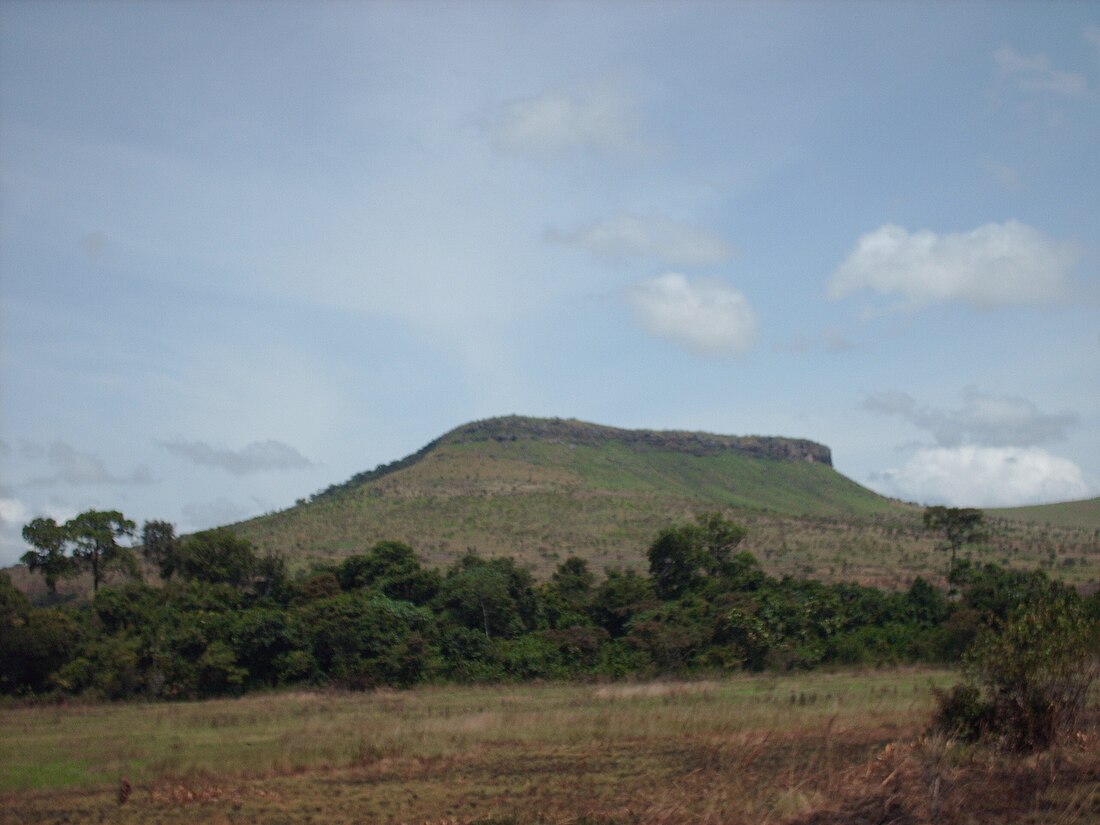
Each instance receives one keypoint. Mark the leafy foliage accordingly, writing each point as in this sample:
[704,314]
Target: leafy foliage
[217,556]
[229,621]
[1028,679]
[959,526]
[161,546]
[88,541]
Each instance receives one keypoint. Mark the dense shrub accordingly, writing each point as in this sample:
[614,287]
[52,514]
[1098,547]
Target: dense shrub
[1027,681]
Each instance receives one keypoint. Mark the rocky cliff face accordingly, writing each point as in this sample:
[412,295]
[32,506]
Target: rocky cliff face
[571,431]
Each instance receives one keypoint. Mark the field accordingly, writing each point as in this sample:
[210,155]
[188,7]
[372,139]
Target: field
[761,749]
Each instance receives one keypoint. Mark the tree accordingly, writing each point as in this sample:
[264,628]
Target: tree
[390,568]
[48,556]
[94,535]
[682,556]
[491,595]
[217,556]
[675,561]
[160,545]
[720,538]
[88,541]
[959,525]
[573,581]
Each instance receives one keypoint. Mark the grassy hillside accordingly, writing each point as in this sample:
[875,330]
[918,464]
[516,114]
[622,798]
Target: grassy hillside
[542,489]
[1082,515]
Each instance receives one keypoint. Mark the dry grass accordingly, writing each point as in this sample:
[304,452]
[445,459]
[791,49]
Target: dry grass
[759,747]
[816,749]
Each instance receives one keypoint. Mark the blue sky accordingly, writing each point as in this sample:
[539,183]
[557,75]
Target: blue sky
[250,249]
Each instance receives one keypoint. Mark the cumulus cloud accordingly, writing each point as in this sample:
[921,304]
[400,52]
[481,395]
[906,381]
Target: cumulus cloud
[78,467]
[706,316]
[623,237]
[987,420]
[975,476]
[1033,73]
[259,456]
[599,117]
[13,512]
[993,265]
[13,515]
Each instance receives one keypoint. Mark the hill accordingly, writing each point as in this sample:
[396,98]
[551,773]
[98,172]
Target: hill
[542,489]
[1081,515]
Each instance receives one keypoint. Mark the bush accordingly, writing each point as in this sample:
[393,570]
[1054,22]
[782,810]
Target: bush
[963,713]
[1028,683]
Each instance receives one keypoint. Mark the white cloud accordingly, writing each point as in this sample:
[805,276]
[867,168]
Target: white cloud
[993,265]
[624,236]
[13,515]
[988,420]
[259,456]
[975,476]
[708,317]
[13,512]
[1033,73]
[599,117]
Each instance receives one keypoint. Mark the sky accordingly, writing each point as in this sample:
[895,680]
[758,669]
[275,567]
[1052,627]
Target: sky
[250,249]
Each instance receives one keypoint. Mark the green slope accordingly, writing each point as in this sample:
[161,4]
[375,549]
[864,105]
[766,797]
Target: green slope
[1083,515]
[540,489]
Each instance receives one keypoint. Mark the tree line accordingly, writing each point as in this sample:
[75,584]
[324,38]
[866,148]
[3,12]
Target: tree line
[225,619]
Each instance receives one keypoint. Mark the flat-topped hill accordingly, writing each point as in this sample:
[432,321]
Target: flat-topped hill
[542,489]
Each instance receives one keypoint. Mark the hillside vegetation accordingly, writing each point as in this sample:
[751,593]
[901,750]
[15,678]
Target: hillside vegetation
[1081,515]
[540,490]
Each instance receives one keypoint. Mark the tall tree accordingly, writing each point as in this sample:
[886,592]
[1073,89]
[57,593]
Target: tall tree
[88,541]
[959,526]
[160,545]
[94,535]
[48,538]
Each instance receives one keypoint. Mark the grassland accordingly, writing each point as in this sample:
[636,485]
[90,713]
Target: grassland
[765,749]
[1080,515]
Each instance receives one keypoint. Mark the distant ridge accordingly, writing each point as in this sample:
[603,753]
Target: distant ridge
[570,430]
[504,429]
